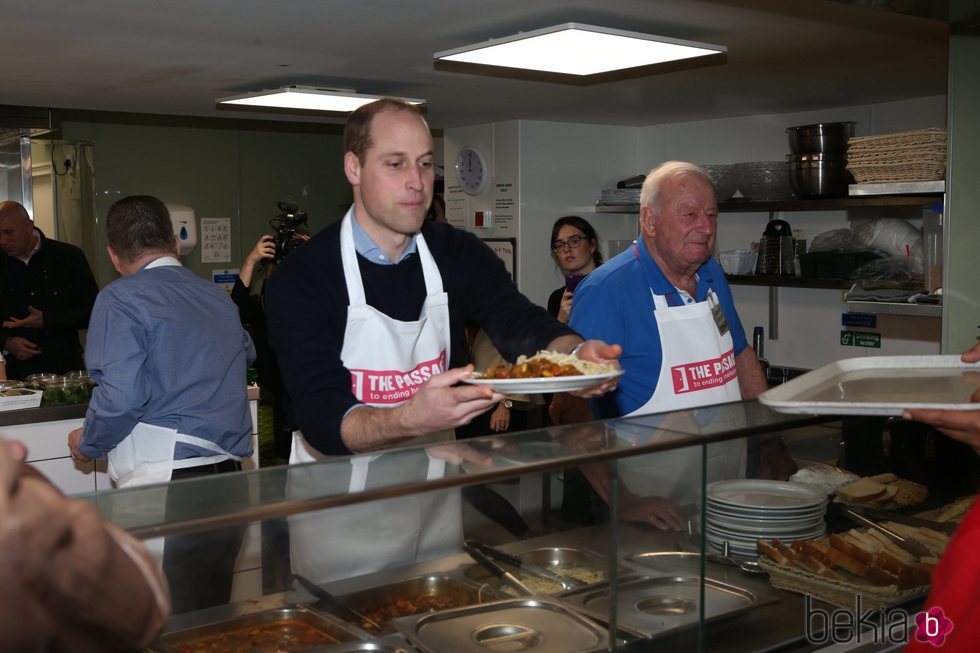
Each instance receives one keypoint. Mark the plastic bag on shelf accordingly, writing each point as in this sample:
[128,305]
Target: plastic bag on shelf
[835,240]
[893,236]
[890,268]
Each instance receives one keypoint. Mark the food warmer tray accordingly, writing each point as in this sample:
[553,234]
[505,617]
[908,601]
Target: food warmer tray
[879,385]
[389,644]
[533,624]
[651,606]
[295,619]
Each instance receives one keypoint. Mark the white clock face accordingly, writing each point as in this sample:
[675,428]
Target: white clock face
[472,171]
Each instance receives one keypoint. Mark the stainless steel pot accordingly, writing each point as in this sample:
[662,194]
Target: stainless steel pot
[825,137]
[818,175]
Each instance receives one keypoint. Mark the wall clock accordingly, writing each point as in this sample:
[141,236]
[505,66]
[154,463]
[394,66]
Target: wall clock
[472,171]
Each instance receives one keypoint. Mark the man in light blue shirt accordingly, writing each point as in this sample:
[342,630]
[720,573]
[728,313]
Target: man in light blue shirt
[169,355]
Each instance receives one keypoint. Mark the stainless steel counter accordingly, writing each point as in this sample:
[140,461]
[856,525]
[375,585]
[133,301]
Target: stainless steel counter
[779,623]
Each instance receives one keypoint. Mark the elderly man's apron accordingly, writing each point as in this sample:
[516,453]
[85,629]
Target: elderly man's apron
[698,369]
[382,354]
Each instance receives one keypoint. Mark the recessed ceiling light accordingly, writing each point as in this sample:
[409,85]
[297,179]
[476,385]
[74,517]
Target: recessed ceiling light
[308,98]
[576,49]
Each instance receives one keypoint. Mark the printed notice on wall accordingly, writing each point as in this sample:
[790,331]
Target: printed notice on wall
[506,249]
[215,240]
[505,207]
[225,278]
[457,206]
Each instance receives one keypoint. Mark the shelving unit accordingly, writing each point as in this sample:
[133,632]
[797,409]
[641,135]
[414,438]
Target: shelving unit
[912,195]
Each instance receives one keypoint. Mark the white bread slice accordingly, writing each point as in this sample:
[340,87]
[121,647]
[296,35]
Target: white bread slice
[883,478]
[862,490]
[773,553]
[889,495]
[857,538]
[851,549]
[892,548]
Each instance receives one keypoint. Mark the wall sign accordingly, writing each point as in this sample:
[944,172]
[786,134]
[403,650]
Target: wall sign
[862,320]
[860,339]
[215,240]
[506,249]
[225,278]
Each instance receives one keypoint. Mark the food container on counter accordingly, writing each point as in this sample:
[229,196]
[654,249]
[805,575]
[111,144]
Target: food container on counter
[410,597]
[40,380]
[579,567]
[526,624]
[293,628]
[14,395]
[650,606]
[66,392]
[81,375]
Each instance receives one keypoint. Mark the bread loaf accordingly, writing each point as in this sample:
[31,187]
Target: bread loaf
[910,493]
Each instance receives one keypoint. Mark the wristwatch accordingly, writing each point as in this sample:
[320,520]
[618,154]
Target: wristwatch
[507,403]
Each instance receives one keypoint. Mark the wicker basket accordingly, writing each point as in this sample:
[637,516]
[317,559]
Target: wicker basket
[907,156]
[839,593]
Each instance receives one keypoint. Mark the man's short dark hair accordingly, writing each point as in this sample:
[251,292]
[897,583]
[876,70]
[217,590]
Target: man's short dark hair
[357,131]
[138,225]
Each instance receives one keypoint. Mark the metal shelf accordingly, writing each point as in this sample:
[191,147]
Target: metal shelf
[794,204]
[896,308]
[787,281]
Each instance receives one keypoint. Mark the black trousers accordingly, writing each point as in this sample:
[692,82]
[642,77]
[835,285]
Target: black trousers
[199,566]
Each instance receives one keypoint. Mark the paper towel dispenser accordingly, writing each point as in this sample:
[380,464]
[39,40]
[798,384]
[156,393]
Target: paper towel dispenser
[185,227]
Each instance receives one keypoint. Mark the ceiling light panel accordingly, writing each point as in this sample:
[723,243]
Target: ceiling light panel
[307,98]
[576,49]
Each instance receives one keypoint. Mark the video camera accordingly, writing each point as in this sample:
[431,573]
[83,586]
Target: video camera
[286,225]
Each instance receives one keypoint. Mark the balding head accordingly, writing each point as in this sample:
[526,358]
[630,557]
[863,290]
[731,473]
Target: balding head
[17,237]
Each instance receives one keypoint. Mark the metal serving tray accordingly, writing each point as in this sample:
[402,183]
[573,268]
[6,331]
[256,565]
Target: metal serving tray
[390,644]
[879,385]
[527,624]
[395,596]
[288,618]
[552,558]
[651,606]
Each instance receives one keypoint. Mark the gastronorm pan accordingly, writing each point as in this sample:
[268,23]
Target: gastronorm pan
[291,629]
[413,596]
[574,564]
[525,624]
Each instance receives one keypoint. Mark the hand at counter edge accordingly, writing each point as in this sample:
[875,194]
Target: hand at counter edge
[75,439]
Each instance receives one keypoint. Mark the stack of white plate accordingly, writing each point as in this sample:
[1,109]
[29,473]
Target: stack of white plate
[741,511]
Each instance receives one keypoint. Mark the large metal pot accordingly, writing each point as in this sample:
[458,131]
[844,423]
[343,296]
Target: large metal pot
[826,137]
[818,175]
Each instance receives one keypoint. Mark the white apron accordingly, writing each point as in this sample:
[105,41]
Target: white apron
[388,360]
[698,369]
[146,455]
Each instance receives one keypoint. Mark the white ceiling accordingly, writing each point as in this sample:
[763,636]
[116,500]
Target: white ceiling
[178,56]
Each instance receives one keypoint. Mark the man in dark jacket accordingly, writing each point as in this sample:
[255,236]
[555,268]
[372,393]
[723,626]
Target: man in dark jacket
[46,295]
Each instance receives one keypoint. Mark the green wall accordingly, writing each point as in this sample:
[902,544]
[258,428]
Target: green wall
[228,169]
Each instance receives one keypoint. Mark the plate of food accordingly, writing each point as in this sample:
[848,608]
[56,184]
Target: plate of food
[546,371]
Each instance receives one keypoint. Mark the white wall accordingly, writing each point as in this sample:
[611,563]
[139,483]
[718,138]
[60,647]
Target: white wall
[563,167]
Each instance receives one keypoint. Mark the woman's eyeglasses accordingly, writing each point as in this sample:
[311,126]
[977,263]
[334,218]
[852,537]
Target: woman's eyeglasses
[572,242]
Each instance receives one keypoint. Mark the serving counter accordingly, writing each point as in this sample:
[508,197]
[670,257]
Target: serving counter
[630,585]
[44,431]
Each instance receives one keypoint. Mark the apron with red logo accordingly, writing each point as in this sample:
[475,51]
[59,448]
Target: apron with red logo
[697,369]
[388,360]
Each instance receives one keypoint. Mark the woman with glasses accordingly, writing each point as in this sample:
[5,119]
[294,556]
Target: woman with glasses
[575,246]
